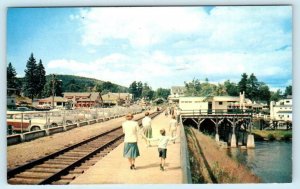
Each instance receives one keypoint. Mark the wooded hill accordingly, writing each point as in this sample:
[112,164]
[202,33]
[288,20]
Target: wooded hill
[72,83]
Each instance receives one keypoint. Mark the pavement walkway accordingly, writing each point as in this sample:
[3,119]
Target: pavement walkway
[114,168]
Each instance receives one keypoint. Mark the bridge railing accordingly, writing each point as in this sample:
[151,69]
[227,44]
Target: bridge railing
[184,156]
[196,112]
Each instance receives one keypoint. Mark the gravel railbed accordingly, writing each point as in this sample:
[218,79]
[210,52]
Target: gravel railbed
[21,153]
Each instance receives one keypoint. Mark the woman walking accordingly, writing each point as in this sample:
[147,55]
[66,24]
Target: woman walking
[131,150]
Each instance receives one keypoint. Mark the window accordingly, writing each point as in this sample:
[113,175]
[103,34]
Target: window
[220,103]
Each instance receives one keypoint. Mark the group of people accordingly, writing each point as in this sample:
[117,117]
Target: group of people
[131,130]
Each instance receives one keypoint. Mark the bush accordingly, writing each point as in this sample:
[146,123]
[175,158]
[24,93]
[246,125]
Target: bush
[287,136]
[271,137]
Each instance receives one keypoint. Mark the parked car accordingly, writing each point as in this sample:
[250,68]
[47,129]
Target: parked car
[23,109]
[24,122]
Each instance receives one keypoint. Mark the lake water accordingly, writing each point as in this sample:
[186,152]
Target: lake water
[271,161]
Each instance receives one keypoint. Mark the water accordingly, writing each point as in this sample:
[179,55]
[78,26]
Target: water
[271,161]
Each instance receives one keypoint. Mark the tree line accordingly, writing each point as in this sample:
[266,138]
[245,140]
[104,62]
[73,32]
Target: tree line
[254,90]
[144,91]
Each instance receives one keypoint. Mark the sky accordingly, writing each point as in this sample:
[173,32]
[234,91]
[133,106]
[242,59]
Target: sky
[161,46]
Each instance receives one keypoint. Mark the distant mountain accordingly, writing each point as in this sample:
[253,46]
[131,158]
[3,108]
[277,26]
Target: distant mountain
[72,83]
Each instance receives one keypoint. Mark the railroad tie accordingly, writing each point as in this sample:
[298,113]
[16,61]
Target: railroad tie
[69,177]
[61,182]
[44,170]
[77,171]
[50,166]
[24,181]
[33,175]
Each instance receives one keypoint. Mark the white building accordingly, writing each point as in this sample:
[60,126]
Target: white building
[214,104]
[192,104]
[282,110]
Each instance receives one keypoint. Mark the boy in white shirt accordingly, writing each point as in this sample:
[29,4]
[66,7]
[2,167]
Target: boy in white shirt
[162,147]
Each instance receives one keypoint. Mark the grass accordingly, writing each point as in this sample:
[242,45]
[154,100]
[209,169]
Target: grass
[273,134]
[224,169]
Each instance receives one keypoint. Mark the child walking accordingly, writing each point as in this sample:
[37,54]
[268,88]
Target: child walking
[162,147]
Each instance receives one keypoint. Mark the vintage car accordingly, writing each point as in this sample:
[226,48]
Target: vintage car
[24,122]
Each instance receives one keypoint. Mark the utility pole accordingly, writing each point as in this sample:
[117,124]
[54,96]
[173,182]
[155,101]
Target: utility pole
[53,84]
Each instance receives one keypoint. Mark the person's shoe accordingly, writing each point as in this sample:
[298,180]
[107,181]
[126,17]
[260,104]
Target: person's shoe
[131,167]
[162,168]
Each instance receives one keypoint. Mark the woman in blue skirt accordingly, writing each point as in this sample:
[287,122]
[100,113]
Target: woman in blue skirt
[131,130]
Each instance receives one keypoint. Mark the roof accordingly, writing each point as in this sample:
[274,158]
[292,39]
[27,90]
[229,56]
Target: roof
[226,98]
[90,95]
[56,99]
[116,96]
[199,98]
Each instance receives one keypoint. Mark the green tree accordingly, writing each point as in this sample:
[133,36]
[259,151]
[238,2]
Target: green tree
[73,86]
[31,78]
[11,78]
[41,78]
[53,86]
[193,88]
[139,89]
[243,84]
[275,96]
[252,91]
[264,93]
[231,88]
[288,91]
[107,87]
[147,92]
[162,93]
[133,89]
[220,90]
[207,89]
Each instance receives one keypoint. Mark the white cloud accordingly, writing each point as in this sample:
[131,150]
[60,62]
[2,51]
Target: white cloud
[237,28]
[159,68]
[140,26]
[168,45]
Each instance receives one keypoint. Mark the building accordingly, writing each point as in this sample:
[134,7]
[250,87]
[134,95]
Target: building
[176,92]
[83,99]
[282,110]
[214,104]
[57,102]
[111,99]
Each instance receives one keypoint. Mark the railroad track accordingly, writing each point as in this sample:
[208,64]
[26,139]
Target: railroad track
[63,166]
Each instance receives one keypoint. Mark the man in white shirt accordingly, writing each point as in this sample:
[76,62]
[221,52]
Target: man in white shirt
[173,126]
[147,129]
[131,130]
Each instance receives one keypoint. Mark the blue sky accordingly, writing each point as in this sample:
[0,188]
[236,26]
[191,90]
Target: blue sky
[163,46]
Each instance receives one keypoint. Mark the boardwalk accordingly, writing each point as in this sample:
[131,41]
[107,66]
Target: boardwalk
[114,169]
